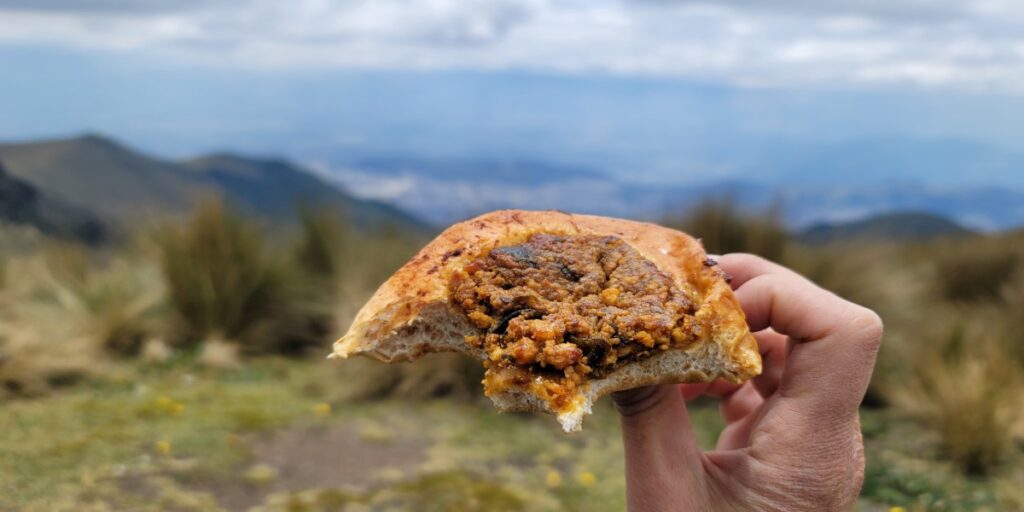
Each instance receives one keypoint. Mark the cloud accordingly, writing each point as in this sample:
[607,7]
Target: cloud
[973,46]
[898,10]
[112,7]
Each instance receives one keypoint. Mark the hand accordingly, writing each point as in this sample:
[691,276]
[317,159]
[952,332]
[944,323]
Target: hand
[792,439]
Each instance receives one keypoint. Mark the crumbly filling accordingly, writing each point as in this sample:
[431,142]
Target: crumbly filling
[570,307]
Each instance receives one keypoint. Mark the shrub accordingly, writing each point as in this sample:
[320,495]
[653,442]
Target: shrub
[967,392]
[223,281]
[723,228]
[317,256]
[319,249]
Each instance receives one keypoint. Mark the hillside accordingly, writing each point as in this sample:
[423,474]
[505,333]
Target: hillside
[275,188]
[23,206]
[905,226]
[123,187]
[102,175]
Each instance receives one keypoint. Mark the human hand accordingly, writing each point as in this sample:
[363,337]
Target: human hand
[792,439]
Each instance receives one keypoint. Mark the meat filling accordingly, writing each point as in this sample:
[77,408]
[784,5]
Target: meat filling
[567,308]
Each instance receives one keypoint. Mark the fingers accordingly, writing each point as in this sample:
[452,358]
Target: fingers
[774,348]
[740,403]
[736,435]
[653,413]
[717,389]
[737,400]
[837,340]
[692,391]
[663,460]
[743,267]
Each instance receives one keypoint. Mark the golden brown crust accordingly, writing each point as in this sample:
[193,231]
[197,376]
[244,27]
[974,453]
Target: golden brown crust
[409,314]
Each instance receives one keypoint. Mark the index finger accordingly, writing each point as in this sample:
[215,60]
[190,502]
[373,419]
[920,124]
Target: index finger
[838,341]
[743,267]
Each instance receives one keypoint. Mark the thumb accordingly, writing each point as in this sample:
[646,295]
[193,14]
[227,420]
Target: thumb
[664,465]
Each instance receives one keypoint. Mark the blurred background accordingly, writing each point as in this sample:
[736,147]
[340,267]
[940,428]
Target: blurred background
[195,198]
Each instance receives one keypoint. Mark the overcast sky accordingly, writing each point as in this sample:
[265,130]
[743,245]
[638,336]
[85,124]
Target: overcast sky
[966,45]
[661,86]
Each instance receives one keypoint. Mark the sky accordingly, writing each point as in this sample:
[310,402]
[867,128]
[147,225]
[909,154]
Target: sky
[651,87]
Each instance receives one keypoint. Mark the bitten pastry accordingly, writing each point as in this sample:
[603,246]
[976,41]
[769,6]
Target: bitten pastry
[561,309]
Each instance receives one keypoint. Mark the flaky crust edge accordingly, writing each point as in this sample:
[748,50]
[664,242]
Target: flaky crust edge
[409,315]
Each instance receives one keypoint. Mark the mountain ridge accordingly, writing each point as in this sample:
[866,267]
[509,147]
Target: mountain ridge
[277,187]
[903,226]
[124,187]
[22,204]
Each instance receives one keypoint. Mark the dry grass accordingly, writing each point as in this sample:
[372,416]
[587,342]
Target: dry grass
[974,270]
[1006,314]
[870,275]
[60,321]
[65,310]
[952,358]
[966,390]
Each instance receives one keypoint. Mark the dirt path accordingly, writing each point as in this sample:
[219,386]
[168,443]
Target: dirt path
[328,456]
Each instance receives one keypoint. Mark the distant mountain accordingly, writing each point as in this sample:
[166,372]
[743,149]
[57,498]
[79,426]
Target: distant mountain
[121,186]
[906,226]
[276,188]
[103,176]
[21,204]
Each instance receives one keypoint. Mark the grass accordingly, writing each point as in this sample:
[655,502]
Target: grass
[178,436]
[187,427]
[172,412]
[977,270]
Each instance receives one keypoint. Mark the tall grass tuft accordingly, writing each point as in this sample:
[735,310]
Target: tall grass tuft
[57,327]
[223,281]
[967,391]
[724,228]
[121,306]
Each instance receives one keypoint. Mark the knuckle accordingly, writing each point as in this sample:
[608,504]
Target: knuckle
[746,257]
[869,326]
